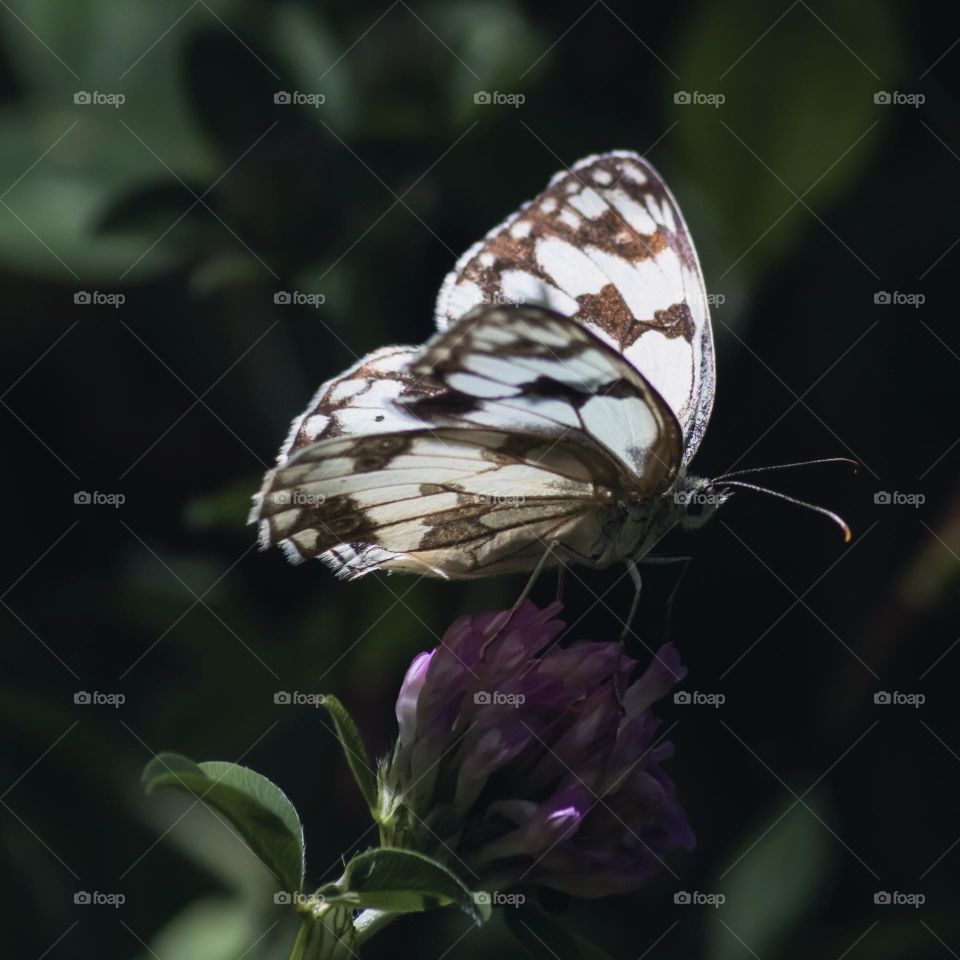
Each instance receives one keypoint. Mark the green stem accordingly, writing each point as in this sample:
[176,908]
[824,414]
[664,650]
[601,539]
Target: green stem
[330,932]
[326,933]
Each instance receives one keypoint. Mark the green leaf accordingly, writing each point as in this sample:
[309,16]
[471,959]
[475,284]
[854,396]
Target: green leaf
[257,808]
[764,914]
[544,938]
[401,881]
[211,928]
[776,137]
[353,750]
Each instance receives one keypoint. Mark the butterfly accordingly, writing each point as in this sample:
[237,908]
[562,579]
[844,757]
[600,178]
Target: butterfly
[552,417]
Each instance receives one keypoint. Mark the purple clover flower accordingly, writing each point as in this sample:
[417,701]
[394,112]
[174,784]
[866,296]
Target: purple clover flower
[517,765]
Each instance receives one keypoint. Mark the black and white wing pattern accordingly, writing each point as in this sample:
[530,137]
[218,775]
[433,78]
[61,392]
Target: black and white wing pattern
[530,369]
[361,400]
[605,244]
[532,430]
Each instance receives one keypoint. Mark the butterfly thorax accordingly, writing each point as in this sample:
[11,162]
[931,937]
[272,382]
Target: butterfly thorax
[635,529]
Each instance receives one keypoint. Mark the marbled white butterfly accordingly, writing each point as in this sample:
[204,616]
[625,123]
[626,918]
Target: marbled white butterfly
[553,416]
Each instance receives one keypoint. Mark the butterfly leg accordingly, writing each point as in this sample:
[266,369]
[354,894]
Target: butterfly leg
[500,622]
[676,587]
[637,583]
[561,570]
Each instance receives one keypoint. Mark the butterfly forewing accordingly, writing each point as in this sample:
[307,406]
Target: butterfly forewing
[530,369]
[605,244]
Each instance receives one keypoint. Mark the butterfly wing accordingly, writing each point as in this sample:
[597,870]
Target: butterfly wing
[360,401]
[530,369]
[606,245]
[449,502]
[536,429]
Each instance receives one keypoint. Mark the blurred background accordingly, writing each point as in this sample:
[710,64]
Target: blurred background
[155,199]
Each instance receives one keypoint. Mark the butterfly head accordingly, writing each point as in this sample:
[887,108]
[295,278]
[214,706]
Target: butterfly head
[696,500]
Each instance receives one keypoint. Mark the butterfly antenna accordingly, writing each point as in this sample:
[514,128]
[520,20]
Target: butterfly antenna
[787,466]
[835,517]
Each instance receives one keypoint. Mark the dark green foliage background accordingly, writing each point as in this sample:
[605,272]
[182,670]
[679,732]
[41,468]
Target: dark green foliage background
[805,199]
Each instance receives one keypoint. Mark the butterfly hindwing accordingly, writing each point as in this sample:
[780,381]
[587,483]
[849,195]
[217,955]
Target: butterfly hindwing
[606,245]
[360,400]
[454,502]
